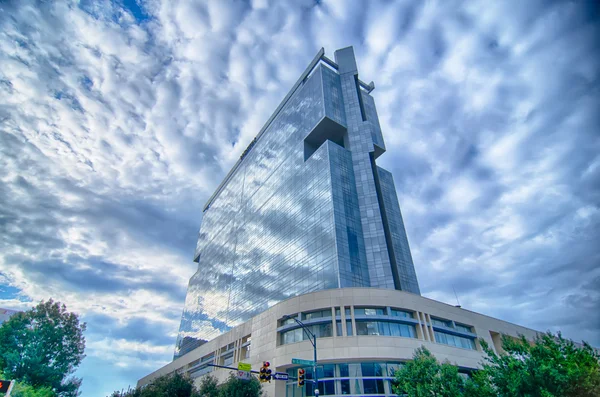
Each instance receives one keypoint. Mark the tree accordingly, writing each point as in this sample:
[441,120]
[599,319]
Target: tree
[235,387]
[175,385]
[424,376]
[209,387]
[551,366]
[43,347]
[23,390]
[130,393]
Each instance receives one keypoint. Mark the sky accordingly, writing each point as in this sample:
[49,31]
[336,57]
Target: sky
[119,119]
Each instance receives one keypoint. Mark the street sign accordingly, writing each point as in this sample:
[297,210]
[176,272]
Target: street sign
[244,367]
[302,362]
[280,376]
[244,375]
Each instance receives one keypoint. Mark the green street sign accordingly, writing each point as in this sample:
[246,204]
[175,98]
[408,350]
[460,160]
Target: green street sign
[244,367]
[302,362]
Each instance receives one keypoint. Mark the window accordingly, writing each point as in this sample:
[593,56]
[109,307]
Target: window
[369,311]
[385,328]
[454,340]
[373,386]
[349,327]
[347,310]
[401,313]
[441,323]
[344,370]
[288,321]
[338,327]
[316,314]
[405,330]
[322,330]
[327,388]
[362,328]
[298,334]
[200,371]
[392,368]
[338,312]
[228,360]
[292,336]
[371,369]
[326,371]
[345,386]
[463,328]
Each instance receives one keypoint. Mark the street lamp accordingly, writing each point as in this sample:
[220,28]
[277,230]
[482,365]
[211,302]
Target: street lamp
[313,339]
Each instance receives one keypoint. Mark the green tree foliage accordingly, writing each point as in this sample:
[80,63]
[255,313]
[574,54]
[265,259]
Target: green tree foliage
[234,387]
[23,390]
[182,386]
[43,347]
[551,366]
[175,385]
[209,387]
[130,393]
[424,376]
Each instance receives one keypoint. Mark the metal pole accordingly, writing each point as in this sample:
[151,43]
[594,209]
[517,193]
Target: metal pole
[315,366]
[10,387]
[314,343]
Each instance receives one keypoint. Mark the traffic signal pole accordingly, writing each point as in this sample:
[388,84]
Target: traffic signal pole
[313,340]
[12,384]
[315,366]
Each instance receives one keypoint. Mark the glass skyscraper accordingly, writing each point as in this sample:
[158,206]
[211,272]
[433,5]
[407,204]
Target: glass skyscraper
[305,208]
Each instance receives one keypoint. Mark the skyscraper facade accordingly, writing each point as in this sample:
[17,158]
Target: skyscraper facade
[305,208]
[303,242]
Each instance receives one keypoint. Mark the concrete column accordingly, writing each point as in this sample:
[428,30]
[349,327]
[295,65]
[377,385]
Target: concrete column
[343,315]
[353,320]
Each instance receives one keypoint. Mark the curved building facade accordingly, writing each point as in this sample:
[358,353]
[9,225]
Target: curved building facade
[363,336]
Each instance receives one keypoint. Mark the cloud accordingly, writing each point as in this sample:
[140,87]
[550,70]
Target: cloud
[118,120]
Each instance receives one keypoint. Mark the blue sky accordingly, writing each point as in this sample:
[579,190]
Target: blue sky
[118,120]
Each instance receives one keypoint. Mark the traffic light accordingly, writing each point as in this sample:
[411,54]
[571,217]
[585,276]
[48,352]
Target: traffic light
[4,385]
[301,377]
[265,372]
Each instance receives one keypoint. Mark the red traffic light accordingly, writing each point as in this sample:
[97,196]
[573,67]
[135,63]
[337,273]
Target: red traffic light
[4,385]
[265,372]
[301,377]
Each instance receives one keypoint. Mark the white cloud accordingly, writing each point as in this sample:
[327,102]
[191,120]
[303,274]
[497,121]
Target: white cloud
[115,131]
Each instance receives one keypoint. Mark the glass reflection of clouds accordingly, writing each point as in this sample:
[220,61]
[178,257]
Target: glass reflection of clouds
[269,234]
[299,213]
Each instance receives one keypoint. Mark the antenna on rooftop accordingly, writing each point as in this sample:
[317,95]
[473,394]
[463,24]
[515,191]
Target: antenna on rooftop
[456,296]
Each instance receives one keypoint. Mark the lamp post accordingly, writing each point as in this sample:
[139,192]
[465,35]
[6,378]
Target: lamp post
[313,340]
